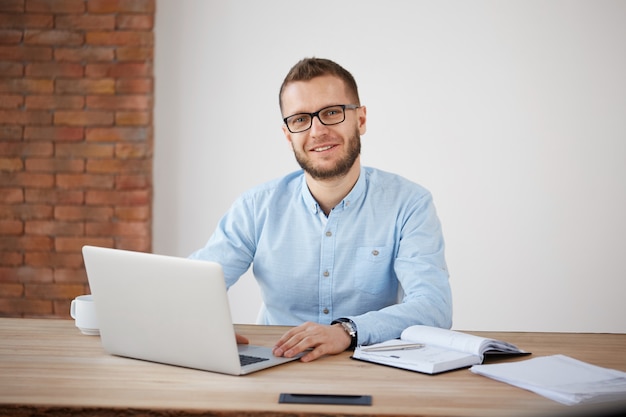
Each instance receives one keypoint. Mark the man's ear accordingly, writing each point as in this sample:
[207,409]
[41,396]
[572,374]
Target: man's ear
[287,134]
[362,115]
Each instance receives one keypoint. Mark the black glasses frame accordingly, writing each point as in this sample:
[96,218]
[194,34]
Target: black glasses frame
[344,107]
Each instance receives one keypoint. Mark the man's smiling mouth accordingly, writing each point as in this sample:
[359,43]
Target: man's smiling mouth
[322,148]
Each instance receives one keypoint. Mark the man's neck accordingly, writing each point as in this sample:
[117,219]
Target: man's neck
[329,192]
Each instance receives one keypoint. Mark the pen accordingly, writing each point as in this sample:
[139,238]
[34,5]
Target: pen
[408,346]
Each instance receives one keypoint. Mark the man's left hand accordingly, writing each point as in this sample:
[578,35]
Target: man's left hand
[320,338]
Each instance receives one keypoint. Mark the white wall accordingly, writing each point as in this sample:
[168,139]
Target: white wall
[513,113]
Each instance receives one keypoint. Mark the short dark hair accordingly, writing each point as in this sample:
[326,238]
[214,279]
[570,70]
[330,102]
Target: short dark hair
[309,68]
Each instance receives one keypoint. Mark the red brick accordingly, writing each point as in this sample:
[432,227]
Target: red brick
[12,6]
[134,85]
[75,244]
[85,150]
[30,274]
[12,195]
[55,6]
[11,132]
[25,117]
[138,244]
[54,196]
[70,275]
[120,102]
[22,307]
[115,229]
[90,54]
[117,198]
[85,181]
[134,53]
[54,228]
[54,133]
[119,70]
[123,6]
[53,259]
[133,118]
[52,291]
[116,134]
[27,243]
[119,166]
[85,86]
[61,307]
[10,36]
[126,150]
[133,213]
[85,22]
[23,21]
[26,179]
[54,86]
[55,102]
[9,259]
[82,213]
[25,53]
[132,182]
[54,69]
[26,211]
[26,85]
[119,38]
[135,21]
[53,37]
[11,164]
[11,101]
[11,290]
[11,227]
[83,118]
[55,165]
[11,69]
[25,149]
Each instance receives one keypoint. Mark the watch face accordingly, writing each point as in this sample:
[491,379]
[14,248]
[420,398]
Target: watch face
[349,328]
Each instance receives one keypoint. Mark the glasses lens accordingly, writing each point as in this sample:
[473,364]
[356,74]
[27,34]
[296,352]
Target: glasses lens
[332,115]
[299,122]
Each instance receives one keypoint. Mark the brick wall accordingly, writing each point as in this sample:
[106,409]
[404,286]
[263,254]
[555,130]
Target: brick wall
[76,100]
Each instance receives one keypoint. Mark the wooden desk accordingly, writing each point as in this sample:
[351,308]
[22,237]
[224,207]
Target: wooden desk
[49,367]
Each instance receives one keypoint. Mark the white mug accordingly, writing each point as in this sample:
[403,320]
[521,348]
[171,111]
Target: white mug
[83,311]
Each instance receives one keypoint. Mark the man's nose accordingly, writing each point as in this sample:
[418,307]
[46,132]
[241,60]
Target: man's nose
[317,127]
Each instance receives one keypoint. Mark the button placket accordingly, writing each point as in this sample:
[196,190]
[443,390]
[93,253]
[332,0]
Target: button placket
[327,259]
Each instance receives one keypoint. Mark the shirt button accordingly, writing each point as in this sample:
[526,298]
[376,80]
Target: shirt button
[325,311]
[326,273]
[375,252]
[329,233]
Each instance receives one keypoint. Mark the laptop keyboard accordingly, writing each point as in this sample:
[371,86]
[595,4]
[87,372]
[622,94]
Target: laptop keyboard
[248,360]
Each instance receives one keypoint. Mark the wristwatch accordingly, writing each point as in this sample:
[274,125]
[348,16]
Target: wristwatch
[350,327]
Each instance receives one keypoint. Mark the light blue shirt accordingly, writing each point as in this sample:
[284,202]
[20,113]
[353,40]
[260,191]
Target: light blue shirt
[382,240]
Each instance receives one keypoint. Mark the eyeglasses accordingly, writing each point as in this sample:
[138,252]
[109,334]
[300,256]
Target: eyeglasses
[331,115]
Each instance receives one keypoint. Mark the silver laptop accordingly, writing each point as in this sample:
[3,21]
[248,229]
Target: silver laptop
[168,310]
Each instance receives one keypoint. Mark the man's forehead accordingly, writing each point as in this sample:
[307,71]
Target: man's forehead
[311,95]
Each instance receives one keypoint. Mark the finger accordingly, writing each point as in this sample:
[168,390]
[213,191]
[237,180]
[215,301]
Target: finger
[242,340]
[290,339]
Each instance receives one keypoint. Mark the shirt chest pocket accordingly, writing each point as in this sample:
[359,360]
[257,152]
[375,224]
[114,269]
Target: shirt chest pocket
[372,268]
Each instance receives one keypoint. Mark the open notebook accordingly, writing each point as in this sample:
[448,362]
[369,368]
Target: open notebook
[169,310]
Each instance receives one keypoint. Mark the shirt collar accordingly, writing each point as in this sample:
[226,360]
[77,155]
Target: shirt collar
[356,194]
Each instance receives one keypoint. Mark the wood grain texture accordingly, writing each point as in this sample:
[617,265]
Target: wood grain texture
[47,367]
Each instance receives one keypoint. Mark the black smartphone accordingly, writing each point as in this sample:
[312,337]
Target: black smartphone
[337,399]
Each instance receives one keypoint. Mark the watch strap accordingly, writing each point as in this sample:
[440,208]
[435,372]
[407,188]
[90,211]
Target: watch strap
[350,328]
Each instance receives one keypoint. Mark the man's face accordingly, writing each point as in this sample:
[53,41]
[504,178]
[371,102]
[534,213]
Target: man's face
[324,152]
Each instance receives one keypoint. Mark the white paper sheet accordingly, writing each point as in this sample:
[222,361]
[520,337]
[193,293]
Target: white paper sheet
[560,378]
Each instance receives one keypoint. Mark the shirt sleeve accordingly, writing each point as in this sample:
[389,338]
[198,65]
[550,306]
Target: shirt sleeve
[232,245]
[421,270]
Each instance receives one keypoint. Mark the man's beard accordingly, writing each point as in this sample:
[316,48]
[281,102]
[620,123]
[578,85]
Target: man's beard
[340,169]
